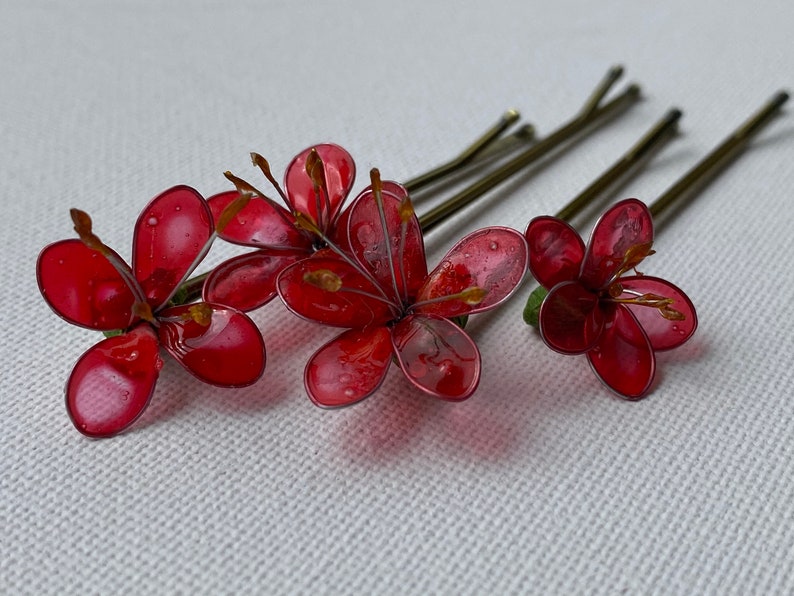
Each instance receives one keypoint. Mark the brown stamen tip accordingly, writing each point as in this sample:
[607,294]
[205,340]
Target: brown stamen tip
[142,310]
[672,314]
[315,168]
[83,227]
[377,184]
[473,295]
[635,254]
[200,313]
[406,209]
[325,279]
[231,210]
[261,163]
[241,185]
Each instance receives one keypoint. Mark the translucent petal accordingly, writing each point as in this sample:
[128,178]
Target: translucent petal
[82,286]
[248,281]
[492,259]
[555,251]
[340,172]
[170,233]
[112,383]
[570,319]
[345,307]
[664,334]
[229,351]
[367,241]
[625,225]
[349,368]
[259,223]
[623,359]
[437,356]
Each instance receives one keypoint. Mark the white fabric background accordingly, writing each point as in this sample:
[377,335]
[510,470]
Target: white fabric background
[542,482]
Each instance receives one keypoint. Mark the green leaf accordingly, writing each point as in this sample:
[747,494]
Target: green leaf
[461,321]
[532,307]
[113,333]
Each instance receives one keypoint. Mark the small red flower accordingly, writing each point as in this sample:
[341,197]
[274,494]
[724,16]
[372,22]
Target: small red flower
[379,288]
[619,322]
[89,285]
[316,183]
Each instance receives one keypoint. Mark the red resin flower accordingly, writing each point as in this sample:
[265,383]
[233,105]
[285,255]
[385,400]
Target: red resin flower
[89,285]
[379,288]
[316,184]
[619,322]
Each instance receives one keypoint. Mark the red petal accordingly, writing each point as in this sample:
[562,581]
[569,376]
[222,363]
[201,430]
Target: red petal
[349,368]
[367,241]
[623,358]
[570,319]
[228,352]
[260,223]
[82,286]
[437,356]
[555,251]
[340,172]
[625,225]
[493,259]
[664,334]
[342,308]
[112,383]
[249,281]
[170,233]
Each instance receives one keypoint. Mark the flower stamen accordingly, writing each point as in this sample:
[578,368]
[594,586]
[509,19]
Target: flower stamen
[377,193]
[83,226]
[471,296]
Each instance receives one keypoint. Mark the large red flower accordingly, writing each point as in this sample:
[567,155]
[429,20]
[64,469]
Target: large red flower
[593,308]
[89,285]
[316,184]
[379,288]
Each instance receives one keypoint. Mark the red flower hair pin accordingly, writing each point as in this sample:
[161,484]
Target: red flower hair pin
[379,289]
[318,180]
[588,305]
[88,284]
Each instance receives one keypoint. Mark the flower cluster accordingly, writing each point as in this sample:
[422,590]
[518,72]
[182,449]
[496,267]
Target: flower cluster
[360,268]
[90,285]
[593,308]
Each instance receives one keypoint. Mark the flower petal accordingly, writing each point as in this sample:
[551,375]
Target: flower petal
[170,233]
[112,383]
[625,225]
[665,334]
[340,172]
[82,286]
[437,356]
[248,281]
[570,318]
[623,359]
[493,259]
[555,251]
[367,241]
[344,306]
[349,368]
[227,351]
[260,223]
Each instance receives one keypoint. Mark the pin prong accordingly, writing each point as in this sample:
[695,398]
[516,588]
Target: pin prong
[661,131]
[470,153]
[581,122]
[721,155]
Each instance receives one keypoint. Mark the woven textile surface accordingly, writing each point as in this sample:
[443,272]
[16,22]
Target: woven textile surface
[543,482]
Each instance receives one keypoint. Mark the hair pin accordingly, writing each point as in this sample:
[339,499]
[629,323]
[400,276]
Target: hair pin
[588,305]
